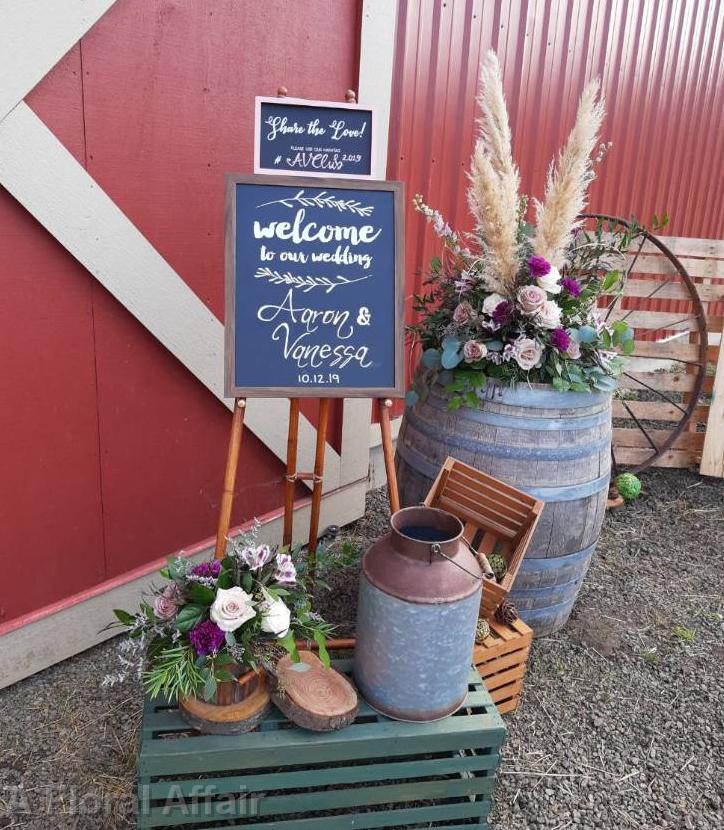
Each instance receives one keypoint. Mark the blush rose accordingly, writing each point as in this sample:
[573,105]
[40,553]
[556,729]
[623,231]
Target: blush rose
[474,350]
[527,353]
[531,299]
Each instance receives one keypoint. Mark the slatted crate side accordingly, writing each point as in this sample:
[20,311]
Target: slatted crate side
[376,765]
[473,814]
[497,518]
[501,660]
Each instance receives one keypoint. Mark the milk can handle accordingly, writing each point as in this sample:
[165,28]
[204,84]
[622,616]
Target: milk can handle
[435,548]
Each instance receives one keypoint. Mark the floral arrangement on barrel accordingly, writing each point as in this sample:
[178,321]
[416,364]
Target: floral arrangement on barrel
[523,304]
[214,617]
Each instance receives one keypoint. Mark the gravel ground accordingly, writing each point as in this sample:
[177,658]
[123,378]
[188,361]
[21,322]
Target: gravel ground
[621,724]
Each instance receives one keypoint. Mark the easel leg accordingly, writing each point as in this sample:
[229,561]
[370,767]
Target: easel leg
[232,462]
[318,481]
[291,470]
[388,453]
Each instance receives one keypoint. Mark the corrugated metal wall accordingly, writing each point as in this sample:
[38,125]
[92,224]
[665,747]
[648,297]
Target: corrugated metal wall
[661,65]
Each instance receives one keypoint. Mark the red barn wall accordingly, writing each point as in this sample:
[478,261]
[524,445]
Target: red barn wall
[113,453]
[662,70]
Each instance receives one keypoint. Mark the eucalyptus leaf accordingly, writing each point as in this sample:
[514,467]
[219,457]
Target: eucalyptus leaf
[451,342]
[411,398]
[209,687]
[450,358]
[431,359]
[587,334]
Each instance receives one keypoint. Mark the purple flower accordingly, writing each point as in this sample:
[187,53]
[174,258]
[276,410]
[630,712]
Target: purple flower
[560,339]
[503,312]
[206,638]
[208,570]
[573,287]
[538,266]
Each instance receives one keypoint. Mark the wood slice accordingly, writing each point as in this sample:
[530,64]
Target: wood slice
[313,696]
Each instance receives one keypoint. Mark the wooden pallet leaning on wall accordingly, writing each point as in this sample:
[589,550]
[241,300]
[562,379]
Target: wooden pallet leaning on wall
[663,329]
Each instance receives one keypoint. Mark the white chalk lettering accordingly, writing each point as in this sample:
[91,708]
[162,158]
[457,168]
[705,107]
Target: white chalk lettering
[300,231]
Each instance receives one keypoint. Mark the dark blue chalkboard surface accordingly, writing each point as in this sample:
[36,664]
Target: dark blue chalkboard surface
[313,138]
[313,287]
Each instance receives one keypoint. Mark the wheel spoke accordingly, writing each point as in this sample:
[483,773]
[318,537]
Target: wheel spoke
[639,425]
[657,391]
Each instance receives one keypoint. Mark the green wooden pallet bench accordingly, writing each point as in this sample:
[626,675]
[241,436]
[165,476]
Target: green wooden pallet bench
[375,773]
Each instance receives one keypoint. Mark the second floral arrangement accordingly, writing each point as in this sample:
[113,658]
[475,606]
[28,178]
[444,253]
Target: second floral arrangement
[528,302]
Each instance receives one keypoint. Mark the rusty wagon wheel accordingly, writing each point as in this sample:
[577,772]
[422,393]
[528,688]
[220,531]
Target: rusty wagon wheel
[658,401]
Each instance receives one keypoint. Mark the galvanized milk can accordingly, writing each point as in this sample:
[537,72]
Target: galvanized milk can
[418,607]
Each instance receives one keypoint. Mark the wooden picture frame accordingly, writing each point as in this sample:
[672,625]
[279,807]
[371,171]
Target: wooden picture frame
[231,389]
[260,100]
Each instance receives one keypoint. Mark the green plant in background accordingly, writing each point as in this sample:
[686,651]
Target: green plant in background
[628,486]
[650,656]
[686,635]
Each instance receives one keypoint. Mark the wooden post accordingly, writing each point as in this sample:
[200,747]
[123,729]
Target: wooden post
[318,481]
[291,476]
[388,453]
[232,462]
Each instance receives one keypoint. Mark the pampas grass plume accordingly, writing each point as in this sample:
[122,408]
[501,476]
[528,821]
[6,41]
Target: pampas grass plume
[568,180]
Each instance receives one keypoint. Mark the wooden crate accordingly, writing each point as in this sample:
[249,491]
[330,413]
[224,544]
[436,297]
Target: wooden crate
[498,518]
[375,773]
[501,660]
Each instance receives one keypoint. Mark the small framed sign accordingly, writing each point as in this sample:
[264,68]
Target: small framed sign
[313,138]
[314,287]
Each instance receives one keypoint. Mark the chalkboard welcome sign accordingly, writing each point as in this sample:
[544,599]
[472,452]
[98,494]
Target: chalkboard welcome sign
[313,138]
[313,287]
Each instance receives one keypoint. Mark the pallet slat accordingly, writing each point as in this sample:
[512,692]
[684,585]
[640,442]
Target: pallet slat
[656,411]
[368,775]
[663,381]
[625,437]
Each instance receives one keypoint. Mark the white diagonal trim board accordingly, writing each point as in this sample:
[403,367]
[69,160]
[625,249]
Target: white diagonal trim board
[47,180]
[34,36]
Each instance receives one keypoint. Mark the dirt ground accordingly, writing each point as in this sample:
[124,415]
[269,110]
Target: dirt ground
[621,723]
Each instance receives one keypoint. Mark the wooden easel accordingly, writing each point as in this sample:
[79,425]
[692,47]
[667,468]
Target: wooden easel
[292,476]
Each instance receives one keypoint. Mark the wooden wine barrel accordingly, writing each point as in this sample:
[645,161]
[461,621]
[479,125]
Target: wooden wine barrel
[555,446]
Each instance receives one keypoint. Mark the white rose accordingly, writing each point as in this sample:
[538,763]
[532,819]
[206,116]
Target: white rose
[550,281]
[549,316]
[491,302]
[275,616]
[232,608]
[527,353]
